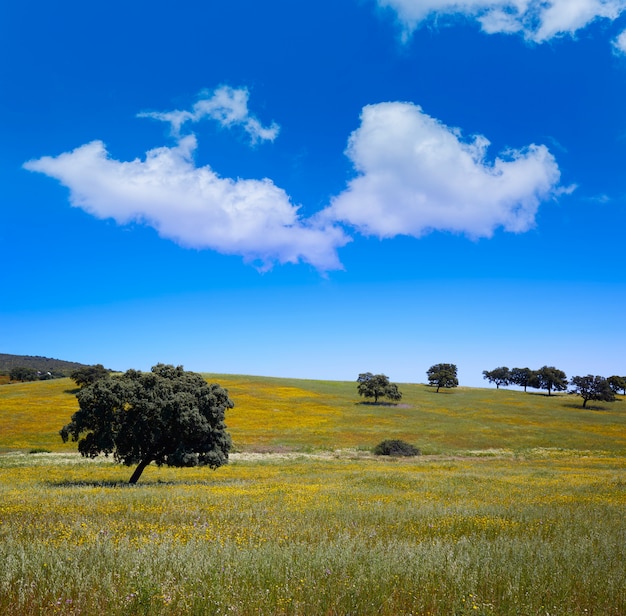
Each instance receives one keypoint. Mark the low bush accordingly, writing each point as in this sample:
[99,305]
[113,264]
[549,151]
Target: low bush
[395,447]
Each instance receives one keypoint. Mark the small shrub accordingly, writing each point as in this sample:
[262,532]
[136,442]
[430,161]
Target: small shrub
[395,447]
[39,450]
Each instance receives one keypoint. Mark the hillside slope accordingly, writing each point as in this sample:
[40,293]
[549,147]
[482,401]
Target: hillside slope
[273,414]
[42,364]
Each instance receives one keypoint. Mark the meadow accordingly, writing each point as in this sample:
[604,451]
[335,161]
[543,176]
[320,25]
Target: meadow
[516,508]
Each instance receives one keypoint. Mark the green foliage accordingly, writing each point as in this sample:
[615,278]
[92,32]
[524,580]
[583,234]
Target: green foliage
[377,386]
[167,416]
[395,447]
[617,384]
[442,375]
[592,388]
[23,374]
[88,375]
[499,376]
[551,378]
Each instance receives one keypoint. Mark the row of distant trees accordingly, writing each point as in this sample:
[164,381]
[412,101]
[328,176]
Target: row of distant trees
[549,378]
[588,387]
[26,374]
[84,375]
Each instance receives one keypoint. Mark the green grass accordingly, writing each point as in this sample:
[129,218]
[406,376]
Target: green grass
[516,510]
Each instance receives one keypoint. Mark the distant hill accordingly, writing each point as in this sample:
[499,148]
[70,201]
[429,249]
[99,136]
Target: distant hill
[41,364]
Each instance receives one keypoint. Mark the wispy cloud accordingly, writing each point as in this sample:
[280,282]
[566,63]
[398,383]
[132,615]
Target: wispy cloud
[416,175]
[619,44]
[193,206]
[536,20]
[226,105]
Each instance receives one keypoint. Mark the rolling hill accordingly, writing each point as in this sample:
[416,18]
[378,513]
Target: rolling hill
[274,414]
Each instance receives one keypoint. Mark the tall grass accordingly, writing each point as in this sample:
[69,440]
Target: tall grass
[315,535]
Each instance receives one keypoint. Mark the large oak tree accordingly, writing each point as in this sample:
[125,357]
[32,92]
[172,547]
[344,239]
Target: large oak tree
[166,416]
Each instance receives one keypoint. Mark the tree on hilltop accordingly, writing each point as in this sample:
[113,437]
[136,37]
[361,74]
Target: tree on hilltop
[592,388]
[377,386]
[524,377]
[499,376]
[442,375]
[166,416]
[551,378]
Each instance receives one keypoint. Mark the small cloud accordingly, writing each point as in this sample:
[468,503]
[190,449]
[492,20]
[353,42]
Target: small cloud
[619,44]
[417,175]
[537,21]
[226,105]
[600,199]
[192,205]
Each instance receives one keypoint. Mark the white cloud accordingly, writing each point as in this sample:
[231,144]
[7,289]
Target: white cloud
[416,175]
[193,205]
[619,44]
[226,105]
[537,20]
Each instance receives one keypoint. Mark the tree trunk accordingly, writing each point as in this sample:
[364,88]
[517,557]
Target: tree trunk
[140,468]
[584,402]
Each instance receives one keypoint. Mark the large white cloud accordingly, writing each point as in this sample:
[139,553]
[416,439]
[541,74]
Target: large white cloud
[416,175]
[193,205]
[536,20]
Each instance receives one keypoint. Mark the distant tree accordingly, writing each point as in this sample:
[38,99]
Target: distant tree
[88,375]
[377,386]
[592,388]
[167,416]
[524,377]
[550,378]
[442,375]
[23,373]
[499,376]
[617,384]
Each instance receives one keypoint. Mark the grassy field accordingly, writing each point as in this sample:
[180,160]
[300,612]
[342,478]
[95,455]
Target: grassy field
[299,415]
[516,508]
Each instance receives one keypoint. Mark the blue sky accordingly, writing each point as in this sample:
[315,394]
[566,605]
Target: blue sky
[315,189]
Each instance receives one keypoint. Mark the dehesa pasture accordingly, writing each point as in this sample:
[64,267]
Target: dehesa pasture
[515,507]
